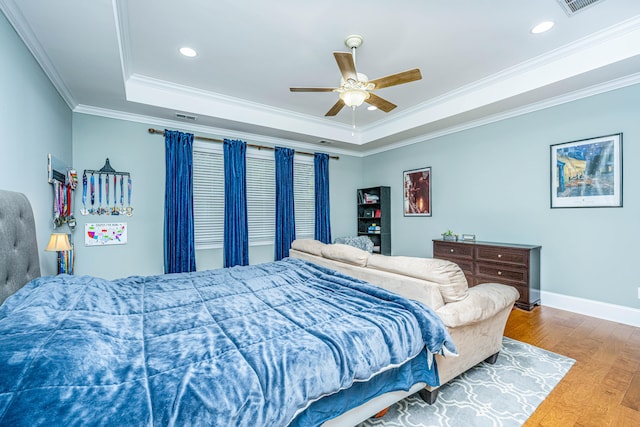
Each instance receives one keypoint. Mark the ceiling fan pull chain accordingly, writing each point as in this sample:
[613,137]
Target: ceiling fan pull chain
[353,54]
[353,120]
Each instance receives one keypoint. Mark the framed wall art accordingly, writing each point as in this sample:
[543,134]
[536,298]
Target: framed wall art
[105,234]
[587,173]
[417,192]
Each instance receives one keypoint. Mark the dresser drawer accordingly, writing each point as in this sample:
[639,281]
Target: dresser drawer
[466,266]
[502,255]
[446,250]
[500,273]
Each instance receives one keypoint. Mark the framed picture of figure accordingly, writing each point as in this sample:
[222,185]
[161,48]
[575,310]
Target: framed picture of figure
[417,192]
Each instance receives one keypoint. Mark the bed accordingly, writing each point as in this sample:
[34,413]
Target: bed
[275,344]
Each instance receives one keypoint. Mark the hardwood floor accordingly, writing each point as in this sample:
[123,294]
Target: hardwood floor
[603,387]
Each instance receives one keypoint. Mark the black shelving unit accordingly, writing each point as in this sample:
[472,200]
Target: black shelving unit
[374,217]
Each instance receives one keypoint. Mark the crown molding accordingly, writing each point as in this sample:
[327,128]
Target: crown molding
[222,133]
[547,103]
[160,93]
[611,44]
[23,29]
[123,36]
[209,130]
[600,49]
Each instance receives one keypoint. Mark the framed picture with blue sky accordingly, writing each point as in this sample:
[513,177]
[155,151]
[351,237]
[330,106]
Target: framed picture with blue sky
[587,173]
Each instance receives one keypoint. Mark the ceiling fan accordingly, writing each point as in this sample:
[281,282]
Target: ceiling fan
[355,88]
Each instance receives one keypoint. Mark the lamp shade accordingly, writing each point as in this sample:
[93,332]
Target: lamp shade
[58,242]
[354,97]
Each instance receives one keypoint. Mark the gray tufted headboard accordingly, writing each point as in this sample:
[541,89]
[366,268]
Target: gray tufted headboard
[19,261]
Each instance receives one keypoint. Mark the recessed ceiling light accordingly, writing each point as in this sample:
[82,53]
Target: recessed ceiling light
[187,51]
[372,108]
[542,27]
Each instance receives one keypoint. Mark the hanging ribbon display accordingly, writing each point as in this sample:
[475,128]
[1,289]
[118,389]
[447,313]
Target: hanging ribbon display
[122,194]
[109,188]
[93,194]
[129,185]
[63,199]
[84,210]
[107,210]
[100,211]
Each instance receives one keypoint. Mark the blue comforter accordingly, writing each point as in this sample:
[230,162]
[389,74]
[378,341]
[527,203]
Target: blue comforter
[245,346]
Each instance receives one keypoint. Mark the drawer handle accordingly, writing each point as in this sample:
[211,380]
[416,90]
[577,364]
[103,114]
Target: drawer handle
[499,273]
[451,250]
[499,255]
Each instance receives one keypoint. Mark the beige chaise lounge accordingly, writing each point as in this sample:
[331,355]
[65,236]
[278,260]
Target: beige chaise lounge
[475,316]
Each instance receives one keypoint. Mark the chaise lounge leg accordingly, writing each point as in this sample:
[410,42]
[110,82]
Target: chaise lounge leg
[429,396]
[492,359]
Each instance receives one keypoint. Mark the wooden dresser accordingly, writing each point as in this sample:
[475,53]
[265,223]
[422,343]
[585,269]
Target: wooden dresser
[511,264]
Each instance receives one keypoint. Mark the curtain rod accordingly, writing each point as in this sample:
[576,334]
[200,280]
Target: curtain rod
[259,147]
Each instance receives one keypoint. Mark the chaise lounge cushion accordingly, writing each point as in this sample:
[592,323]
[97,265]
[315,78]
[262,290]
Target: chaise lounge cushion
[309,246]
[482,303]
[449,277]
[345,253]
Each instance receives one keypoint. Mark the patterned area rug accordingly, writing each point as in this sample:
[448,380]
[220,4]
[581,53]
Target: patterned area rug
[504,394]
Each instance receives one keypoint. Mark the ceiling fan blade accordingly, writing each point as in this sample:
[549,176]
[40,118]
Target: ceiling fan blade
[381,103]
[336,108]
[312,89]
[397,79]
[346,65]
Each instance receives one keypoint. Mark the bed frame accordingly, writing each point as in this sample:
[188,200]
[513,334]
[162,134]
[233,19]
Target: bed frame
[19,261]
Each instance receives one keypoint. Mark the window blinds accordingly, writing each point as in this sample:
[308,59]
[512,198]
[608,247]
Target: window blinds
[208,196]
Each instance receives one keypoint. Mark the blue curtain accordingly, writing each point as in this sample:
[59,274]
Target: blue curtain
[236,228]
[285,211]
[323,220]
[179,246]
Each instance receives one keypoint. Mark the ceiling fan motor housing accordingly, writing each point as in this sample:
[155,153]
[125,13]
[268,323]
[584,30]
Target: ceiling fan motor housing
[353,41]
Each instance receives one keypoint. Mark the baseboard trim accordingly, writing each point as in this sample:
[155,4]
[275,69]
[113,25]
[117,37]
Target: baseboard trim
[601,310]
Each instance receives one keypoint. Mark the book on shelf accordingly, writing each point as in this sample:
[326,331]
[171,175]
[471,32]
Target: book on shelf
[371,198]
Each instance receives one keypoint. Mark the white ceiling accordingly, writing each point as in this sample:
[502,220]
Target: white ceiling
[479,62]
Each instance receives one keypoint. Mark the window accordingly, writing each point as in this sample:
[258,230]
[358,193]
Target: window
[208,196]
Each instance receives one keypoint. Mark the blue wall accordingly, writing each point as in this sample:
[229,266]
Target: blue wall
[35,121]
[493,181]
[131,148]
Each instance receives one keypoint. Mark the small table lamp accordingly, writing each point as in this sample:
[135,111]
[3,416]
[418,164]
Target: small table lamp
[59,242]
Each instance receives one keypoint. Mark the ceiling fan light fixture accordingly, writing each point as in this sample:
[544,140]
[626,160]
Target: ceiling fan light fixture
[354,97]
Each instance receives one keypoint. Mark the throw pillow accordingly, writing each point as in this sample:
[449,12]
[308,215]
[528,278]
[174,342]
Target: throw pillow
[360,242]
